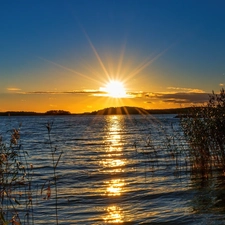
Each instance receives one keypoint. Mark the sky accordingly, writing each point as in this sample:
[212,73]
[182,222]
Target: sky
[62,54]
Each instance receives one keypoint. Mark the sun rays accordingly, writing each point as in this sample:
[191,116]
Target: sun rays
[108,75]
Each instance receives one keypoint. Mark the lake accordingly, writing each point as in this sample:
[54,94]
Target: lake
[115,169]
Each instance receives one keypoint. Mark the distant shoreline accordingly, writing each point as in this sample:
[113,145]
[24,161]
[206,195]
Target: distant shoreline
[126,110]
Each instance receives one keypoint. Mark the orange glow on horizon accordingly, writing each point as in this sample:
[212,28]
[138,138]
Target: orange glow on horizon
[111,82]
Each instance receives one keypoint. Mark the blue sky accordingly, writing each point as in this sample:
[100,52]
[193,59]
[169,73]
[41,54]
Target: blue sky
[61,45]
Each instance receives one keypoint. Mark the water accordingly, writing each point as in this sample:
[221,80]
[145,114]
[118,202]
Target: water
[116,169]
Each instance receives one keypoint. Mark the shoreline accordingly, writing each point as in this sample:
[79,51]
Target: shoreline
[107,111]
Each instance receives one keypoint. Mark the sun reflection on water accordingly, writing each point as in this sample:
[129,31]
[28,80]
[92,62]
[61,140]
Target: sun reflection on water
[115,215]
[115,187]
[113,164]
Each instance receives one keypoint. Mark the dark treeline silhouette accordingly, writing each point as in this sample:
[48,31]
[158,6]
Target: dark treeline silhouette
[57,112]
[125,110]
[19,113]
[24,113]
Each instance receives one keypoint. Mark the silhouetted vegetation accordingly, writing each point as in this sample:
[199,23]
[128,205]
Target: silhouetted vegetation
[15,181]
[124,110]
[24,113]
[20,113]
[204,129]
[127,110]
[57,112]
[16,187]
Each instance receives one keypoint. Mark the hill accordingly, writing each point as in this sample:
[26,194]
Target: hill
[127,110]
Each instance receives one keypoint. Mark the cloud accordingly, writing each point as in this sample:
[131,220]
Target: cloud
[53,106]
[221,85]
[89,92]
[13,89]
[65,92]
[152,95]
[182,98]
[179,95]
[135,94]
[188,90]
[174,100]
[176,95]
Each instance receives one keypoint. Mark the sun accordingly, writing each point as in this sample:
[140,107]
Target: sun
[115,89]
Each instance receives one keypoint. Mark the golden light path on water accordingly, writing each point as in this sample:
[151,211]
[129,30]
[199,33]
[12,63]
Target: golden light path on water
[113,164]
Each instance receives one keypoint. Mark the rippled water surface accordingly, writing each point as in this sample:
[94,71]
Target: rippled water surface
[116,169]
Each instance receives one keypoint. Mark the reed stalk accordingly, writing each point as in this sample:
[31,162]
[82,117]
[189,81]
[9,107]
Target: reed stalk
[55,160]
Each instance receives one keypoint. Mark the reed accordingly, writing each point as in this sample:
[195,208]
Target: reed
[204,130]
[15,181]
[16,175]
[162,146]
[56,156]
